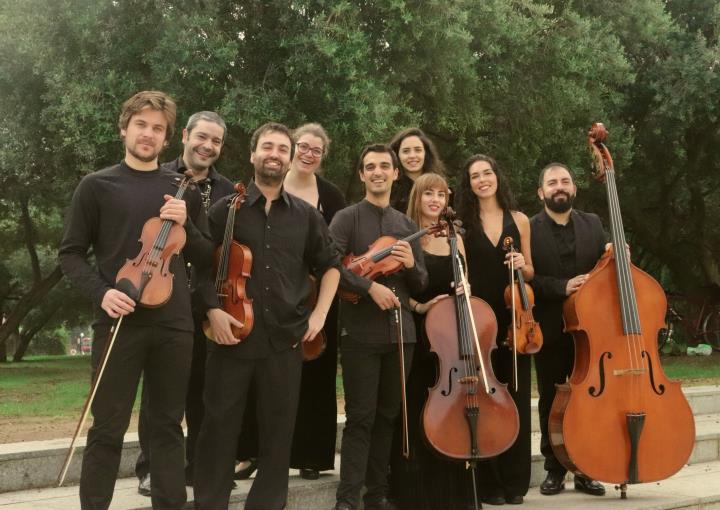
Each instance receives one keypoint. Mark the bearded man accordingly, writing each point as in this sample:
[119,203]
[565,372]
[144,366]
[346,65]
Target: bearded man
[566,245]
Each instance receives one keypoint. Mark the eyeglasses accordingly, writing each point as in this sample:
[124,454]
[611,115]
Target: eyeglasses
[304,148]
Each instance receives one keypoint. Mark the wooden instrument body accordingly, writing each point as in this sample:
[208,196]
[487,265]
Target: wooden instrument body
[444,414]
[149,272]
[527,330]
[588,422]
[313,348]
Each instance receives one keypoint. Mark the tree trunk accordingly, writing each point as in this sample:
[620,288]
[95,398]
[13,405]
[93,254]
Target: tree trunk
[28,302]
[29,333]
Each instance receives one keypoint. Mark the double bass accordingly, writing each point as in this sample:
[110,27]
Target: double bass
[618,419]
[469,415]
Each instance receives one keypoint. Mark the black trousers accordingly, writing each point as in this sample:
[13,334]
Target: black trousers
[508,474]
[316,424]
[228,380]
[163,355]
[371,378]
[553,365]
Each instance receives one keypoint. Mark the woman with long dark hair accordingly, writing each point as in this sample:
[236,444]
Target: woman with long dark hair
[489,215]
[417,155]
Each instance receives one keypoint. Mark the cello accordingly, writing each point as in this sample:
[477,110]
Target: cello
[469,415]
[614,417]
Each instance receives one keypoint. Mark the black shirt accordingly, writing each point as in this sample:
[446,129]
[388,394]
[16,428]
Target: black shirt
[565,243]
[354,229]
[108,211]
[287,245]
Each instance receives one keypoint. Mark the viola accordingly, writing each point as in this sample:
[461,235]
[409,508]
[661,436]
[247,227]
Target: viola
[147,278]
[469,415]
[611,421]
[524,335]
[312,349]
[233,264]
[375,262]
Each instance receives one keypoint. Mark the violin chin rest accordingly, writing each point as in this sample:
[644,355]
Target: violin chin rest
[126,286]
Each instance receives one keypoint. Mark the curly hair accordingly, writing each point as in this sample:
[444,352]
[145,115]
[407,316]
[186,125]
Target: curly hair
[468,202]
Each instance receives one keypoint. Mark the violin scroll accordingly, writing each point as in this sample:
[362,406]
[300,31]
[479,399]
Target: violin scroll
[602,160]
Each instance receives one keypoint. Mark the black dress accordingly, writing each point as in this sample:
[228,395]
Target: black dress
[426,481]
[508,474]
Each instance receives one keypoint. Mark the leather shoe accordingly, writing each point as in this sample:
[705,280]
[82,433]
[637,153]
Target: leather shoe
[554,483]
[144,485]
[309,474]
[343,506]
[493,499]
[514,500]
[589,486]
[244,473]
[383,504]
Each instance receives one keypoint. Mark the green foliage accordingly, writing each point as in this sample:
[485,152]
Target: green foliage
[521,80]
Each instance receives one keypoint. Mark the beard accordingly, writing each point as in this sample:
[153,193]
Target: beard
[145,158]
[199,164]
[270,176]
[560,206]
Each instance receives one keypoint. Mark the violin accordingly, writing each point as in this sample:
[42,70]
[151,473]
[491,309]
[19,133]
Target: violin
[618,419]
[312,349]
[147,279]
[469,415]
[524,335]
[233,264]
[375,262]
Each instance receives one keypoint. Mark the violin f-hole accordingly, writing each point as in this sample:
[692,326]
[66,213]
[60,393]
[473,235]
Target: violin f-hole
[447,392]
[601,372]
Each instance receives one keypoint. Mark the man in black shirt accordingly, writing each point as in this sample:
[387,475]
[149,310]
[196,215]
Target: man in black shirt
[369,353]
[202,139]
[566,245]
[107,214]
[288,239]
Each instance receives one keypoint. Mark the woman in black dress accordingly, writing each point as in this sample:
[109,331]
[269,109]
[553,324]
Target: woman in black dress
[418,156]
[426,481]
[488,213]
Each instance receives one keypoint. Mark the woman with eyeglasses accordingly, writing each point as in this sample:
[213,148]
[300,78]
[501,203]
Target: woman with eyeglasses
[417,155]
[313,447]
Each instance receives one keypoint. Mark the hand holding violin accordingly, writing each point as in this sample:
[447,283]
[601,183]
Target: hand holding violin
[174,209]
[220,322]
[402,252]
[517,258]
[316,321]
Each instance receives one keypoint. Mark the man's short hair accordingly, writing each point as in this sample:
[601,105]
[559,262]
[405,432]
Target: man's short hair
[554,165]
[155,100]
[213,117]
[274,127]
[381,148]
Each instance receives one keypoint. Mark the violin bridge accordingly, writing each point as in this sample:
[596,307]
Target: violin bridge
[469,380]
[630,371]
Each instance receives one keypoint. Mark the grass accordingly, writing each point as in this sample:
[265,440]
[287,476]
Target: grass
[45,386]
[57,386]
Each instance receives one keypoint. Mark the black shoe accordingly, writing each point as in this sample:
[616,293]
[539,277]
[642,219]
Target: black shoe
[244,474]
[554,483]
[493,500]
[144,485]
[383,504]
[343,506]
[589,486]
[514,500]
[309,474]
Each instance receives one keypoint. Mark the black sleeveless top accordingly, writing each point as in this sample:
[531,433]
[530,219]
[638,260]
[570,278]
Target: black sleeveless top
[488,273]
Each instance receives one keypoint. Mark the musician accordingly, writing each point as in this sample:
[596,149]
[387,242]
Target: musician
[107,214]
[425,480]
[202,139]
[566,245]
[287,237]
[417,155]
[369,353]
[488,211]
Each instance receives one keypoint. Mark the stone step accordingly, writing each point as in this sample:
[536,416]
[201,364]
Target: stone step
[694,487]
[35,464]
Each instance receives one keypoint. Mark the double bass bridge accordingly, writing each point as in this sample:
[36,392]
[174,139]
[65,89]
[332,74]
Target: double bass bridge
[629,371]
